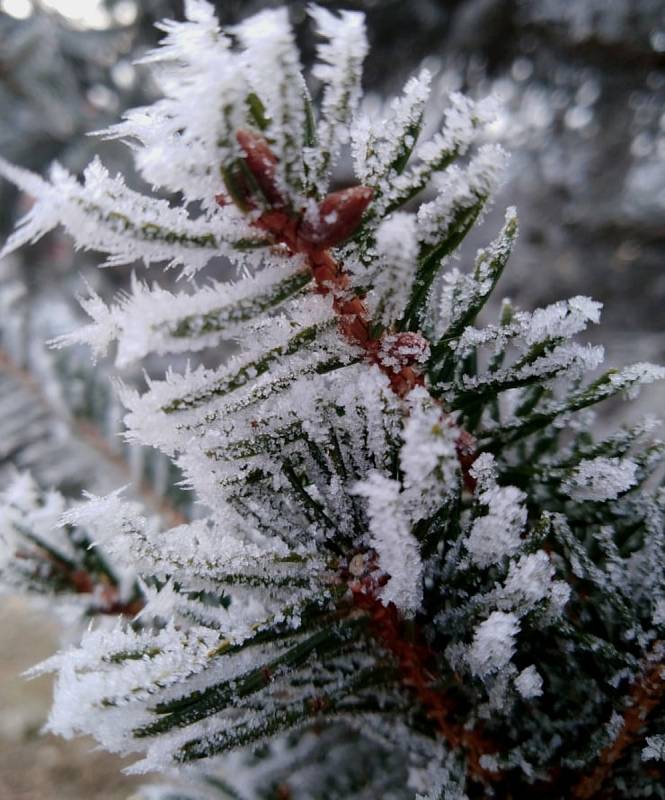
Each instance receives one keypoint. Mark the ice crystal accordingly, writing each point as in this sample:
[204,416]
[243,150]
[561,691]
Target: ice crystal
[390,535]
[655,748]
[601,478]
[493,643]
[497,533]
[397,247]
[529,683]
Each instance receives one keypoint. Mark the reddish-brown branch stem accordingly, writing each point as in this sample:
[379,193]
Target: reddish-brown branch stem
[339,215]
[417,667]
[645,696]
[106,594]
[331,279]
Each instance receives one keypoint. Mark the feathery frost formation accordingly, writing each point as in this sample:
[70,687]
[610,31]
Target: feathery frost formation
[415,572]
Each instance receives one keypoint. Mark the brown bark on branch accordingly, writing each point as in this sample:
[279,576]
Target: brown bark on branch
[339,215]
[646,694]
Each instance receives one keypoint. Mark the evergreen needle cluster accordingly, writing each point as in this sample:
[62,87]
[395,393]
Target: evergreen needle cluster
[416,573]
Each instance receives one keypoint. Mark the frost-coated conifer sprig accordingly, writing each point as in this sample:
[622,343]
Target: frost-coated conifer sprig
[416,573]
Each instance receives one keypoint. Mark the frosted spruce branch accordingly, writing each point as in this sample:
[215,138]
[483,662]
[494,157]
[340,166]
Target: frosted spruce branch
[408,539]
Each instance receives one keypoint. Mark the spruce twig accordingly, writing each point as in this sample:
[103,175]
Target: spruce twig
[646,695]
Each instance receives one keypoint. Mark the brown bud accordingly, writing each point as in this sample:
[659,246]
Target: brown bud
[281,225]
[339,214]
[81,581]
[467,453]
[262,163]
[405,380]
[404,349]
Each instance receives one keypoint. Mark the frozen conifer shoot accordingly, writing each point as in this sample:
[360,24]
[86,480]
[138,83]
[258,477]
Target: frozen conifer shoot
[416,573]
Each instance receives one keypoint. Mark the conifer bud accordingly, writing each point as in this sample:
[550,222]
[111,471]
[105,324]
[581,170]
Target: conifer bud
[262,163]
[405,349]
[339,215]
[467,452]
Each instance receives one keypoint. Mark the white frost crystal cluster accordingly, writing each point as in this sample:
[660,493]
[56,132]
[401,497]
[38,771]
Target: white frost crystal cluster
[493,643]
[602,478]
[390,535]
[498,533]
